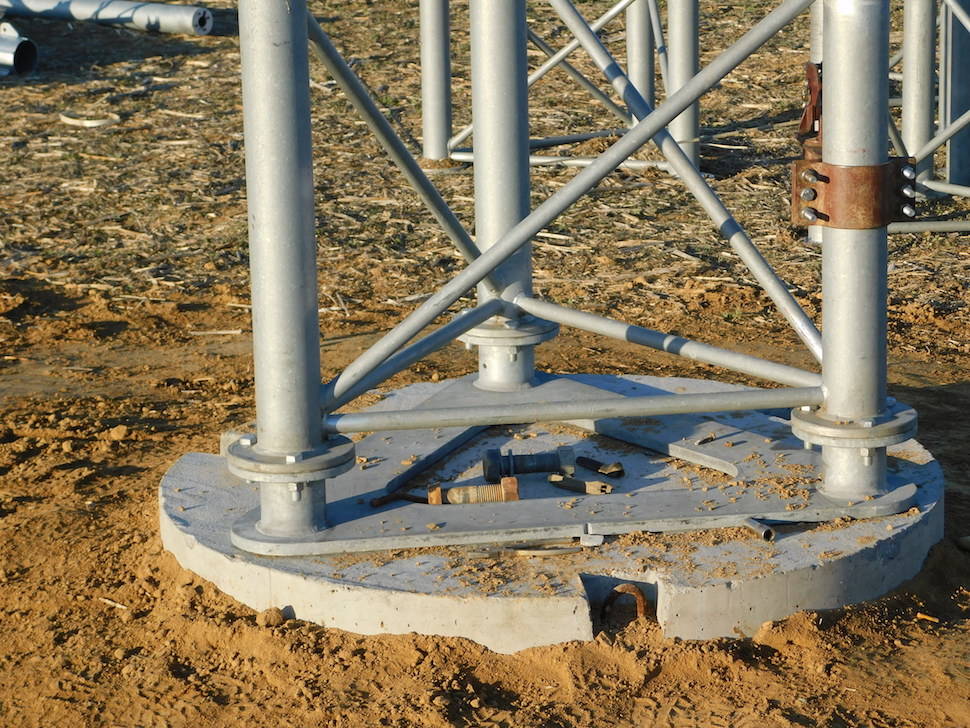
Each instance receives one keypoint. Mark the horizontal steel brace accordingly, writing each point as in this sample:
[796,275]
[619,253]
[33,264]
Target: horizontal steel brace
[609,406]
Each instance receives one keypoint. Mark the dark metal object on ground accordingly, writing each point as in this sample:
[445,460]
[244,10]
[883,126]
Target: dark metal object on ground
[762,530]
[401,494]
[18,54]
[593,487]
[643,606]
[496,466]
[610,470]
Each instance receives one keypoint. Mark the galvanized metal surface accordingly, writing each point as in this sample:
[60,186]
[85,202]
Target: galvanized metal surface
[683,20]
[655,495]
[854,262]
[435,20]
[18,54]
[155,17]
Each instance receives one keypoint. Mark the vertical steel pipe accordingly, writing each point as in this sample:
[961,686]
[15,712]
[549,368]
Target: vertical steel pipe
[279,180]
[854,287]
[661,45]
[500,108]
[553,61]
[435,78]
[682,44]
[815,32]
[919,66]
[639,49]
[955,89]
[814,232]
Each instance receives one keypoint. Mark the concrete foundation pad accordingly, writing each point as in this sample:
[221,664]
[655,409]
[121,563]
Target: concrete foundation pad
[705,584]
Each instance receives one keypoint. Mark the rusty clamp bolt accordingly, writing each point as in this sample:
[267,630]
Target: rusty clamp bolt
[852,198]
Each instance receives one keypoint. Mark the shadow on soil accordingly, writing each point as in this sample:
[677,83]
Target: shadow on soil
[70,51]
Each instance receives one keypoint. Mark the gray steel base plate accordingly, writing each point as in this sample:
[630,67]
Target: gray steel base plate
[726,467]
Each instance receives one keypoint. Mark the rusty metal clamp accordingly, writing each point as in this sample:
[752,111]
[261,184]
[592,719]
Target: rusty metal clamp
[810,125]
[853,198]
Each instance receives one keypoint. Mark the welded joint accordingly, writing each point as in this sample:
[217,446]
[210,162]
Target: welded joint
[853,197]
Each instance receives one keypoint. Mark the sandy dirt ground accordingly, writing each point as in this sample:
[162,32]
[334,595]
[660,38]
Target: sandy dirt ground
[125,342]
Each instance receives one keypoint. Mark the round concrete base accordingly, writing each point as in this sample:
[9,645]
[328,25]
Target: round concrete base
[442,571]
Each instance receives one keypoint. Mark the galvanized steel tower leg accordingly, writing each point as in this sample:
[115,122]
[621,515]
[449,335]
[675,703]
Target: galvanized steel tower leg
[814,232]
[500,115]
[435,78]
[682,44]
[815,31]
[639,49]
[855,110]
[288,456]
[919,66]
[955,90]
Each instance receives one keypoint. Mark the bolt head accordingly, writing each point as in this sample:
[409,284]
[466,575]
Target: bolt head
[909,211]
[810,176]
[909,172]
[809,214]
[909,192]
[808,194]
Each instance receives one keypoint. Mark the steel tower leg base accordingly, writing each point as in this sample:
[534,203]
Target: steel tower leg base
[701,592]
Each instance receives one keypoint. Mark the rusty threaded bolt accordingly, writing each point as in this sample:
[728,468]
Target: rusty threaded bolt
[507,490]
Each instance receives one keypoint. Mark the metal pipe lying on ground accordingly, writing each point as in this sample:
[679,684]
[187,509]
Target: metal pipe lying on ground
[18,55]
[762,531]
[155,17]
[608,406]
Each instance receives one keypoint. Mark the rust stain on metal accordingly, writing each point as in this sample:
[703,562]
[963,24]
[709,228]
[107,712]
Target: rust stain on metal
[810,124]
[643,606]
[853,198]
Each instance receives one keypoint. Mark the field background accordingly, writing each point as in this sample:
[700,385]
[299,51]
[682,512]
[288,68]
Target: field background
[123,248]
